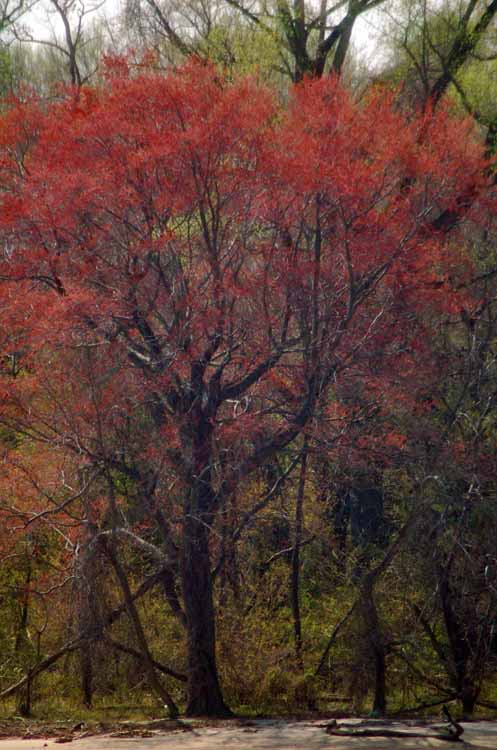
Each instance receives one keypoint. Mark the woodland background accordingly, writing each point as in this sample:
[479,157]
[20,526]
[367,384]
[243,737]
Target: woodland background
[337,547]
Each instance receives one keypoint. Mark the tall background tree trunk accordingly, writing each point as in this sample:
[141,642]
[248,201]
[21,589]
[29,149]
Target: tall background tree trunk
[295,570]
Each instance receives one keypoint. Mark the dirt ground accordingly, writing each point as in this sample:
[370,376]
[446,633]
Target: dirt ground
[255,735]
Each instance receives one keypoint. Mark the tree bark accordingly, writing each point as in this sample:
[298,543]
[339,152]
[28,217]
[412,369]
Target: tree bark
[86,609]
[343,44]
[86,663]
[22,632]
[204,691]
[460,647]
[469,696]
[377,645]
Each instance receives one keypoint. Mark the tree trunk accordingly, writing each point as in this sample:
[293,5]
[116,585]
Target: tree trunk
[86,664]
[343,47]
[86,611]
[377,645]
[469,696]
[460,647]
[203,688]
[295,572]
[24,704]
[22,632]
[204,691]
[380,700]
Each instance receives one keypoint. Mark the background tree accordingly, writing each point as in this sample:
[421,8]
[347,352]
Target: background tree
[308,37]
[71,54]
[437,42]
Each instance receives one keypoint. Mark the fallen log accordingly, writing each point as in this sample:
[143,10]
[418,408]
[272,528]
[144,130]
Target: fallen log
[450,734]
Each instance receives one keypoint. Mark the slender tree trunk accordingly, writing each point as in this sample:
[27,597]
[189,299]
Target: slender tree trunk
[86,610]
[295,572]
[22,642]
[22,636]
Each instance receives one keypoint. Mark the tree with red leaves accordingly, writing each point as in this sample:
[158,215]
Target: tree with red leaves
[190,271]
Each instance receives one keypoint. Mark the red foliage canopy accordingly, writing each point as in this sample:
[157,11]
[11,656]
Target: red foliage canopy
[223,247]
[190,268]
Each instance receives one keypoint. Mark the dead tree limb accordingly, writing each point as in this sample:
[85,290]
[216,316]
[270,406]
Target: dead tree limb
[133,615]
[139,657]
[88,634]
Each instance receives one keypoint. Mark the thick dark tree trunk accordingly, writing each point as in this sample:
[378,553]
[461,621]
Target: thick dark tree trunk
[460,643]
[204,691]
[86,663]
[377,645]
[469,696]
[380,700]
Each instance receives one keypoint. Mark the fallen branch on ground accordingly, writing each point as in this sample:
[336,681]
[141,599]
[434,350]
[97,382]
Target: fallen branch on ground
[451,733]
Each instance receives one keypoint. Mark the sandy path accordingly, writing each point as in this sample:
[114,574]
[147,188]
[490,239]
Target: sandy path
[264,735]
